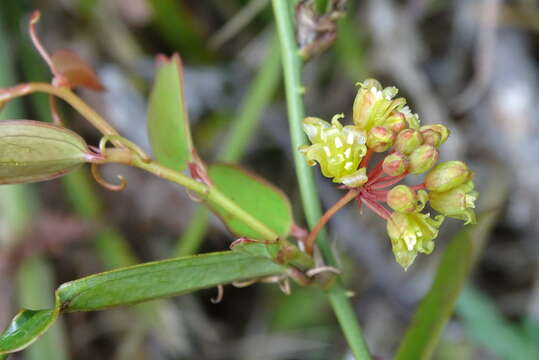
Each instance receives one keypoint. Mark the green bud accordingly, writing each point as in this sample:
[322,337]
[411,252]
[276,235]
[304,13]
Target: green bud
[412,233]
[395,164]
[440,129]
[35,151]
[396,122]
[379,139]
[456,203]
[408,140]
[447,175]
[402,199]
[373,105]
[431,137]
[411,118]
[336,148]
[422,159]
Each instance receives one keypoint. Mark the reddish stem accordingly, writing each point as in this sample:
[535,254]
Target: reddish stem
[385,184]
[377,208]
[309,241]
[375,173]
[365,162]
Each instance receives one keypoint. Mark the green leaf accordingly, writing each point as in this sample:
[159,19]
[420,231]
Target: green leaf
[168,122]
[437,306]
[253,194]
[35,151]
[162,278]
[25,328]
[136,284]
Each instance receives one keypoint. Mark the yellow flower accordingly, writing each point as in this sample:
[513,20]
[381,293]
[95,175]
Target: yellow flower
[337,149]
[412,233]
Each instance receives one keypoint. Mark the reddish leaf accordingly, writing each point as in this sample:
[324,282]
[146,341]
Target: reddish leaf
[75,70]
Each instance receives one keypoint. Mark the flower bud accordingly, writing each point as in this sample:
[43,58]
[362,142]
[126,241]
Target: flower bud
[431,137]
[422,159]
[396,122]
[36,151]
[379,139]
[408,140]
[411,233]
[456,203]
[411,118]
[373,104]
[434,135]
[402,199]
[447,175]
[395,164]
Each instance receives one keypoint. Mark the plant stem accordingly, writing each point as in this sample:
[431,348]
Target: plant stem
[309,241]
[65,94]
[311,203]
[209,193]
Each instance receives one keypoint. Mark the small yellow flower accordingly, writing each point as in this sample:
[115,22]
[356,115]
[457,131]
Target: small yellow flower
[412,233]
[337,149]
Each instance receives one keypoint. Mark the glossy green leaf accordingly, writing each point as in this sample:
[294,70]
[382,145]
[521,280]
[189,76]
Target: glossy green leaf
[136,284]
[168,122]
[437,306]
[35,151]
[253,194]
[25,328]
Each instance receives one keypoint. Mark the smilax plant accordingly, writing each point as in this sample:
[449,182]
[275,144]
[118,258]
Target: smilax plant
[270,246]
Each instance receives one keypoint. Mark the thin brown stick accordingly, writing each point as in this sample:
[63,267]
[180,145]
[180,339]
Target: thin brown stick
[309,241]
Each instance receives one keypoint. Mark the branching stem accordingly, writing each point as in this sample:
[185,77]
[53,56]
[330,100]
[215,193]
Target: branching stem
[309,241]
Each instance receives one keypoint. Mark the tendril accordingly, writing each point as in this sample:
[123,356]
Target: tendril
[107,185]
[220,295]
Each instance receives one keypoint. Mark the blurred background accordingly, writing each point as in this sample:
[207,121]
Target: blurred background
[471,65]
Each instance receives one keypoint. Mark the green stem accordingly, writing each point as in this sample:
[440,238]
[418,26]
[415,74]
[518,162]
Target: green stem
[208,193]
[65,94]
[311,203]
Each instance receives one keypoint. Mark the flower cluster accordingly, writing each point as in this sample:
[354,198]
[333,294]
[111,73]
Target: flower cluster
[384,123]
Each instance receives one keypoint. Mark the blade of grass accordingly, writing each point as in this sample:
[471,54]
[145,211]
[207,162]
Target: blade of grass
[257,97]
[309,195]
[485,325]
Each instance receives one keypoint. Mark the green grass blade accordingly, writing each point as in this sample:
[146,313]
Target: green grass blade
[486,326]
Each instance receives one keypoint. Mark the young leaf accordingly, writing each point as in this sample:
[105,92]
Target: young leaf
[35,151]
[136,284]
[254,195]
[75,70]
[168,123]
